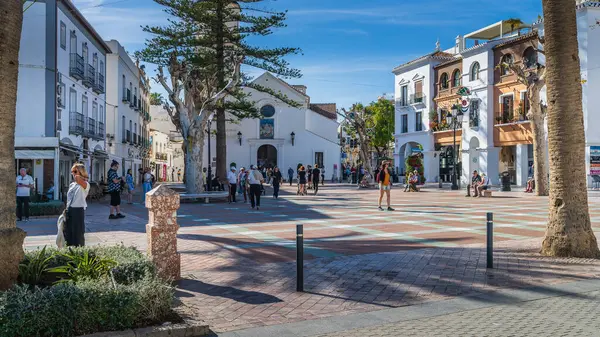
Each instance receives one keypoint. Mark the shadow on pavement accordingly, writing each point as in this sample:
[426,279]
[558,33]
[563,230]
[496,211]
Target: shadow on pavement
[186,286]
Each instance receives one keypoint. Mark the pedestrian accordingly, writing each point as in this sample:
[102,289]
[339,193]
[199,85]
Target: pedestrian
[147,185]
[232,179]
[178,175]
[130,187]
[302,181]
[255,180]
[173,174]
[242,179]
[316,174]
[114,189]
[309,176]
[24,185]
[323,176]
[384,178]
[204,181]
[277,179]
[141,175]
[291,175]
[74,230]
[269,176]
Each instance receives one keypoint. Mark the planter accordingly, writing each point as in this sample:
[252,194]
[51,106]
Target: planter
[172,330]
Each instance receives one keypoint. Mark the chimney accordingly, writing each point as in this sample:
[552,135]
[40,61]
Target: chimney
[459,45]
[301,88]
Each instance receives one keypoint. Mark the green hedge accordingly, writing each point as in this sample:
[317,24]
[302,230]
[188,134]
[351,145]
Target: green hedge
[54,207]
[132,296]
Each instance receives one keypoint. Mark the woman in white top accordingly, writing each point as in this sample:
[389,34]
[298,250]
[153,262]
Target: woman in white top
[76,205]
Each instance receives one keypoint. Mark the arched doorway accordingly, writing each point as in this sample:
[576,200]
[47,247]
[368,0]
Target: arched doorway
[267,156]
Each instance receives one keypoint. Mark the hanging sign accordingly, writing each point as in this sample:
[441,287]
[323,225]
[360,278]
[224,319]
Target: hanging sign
[464,91]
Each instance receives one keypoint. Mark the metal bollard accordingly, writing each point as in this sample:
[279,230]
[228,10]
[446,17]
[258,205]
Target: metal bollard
[490,240]
[300,258]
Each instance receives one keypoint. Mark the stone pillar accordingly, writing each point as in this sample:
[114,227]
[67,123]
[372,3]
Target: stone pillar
[161,230]
[522,164]
[493,164]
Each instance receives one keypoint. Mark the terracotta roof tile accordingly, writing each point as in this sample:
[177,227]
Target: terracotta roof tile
[516,39]
[328,110]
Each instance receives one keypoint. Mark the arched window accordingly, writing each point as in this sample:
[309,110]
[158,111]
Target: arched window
[475,71]
[506,59]
[456,78]
[444,81]
[530,58]
[267,111]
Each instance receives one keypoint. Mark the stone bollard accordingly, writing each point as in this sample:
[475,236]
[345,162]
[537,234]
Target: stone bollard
[161,230]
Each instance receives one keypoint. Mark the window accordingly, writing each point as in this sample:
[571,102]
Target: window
[73,100]
[95,111]
[123,127]
[475,71]
[84,52]
[84,105]
[507,109]
[73,43]
[404,123]
[474,114]
[61,95]
[63,35]
[506,60]
[530,58]
[456,78]
[101,70]
[267,111]
[101,114]
[319,159]
[130,125]
[95,61]
[418,92]
[404,95]
[444,81]
[419,121]
[124,87]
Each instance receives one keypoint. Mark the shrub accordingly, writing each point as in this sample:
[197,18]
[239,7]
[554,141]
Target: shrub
[54,207]
[72,309]
[34,266]
[84,266]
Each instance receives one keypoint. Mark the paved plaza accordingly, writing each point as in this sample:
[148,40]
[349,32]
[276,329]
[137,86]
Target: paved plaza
[238,265]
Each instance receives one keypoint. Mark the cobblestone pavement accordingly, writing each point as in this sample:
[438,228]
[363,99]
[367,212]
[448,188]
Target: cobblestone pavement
[558,316]
[238,264]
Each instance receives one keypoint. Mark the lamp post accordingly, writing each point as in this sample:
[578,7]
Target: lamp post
[455,119]
[209,175]
[239,134]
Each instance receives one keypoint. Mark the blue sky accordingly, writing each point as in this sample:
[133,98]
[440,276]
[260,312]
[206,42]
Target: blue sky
[349,46]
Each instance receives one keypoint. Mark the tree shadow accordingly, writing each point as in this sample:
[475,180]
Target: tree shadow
[189,287]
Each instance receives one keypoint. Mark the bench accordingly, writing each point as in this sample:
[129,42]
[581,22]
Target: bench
[487,193]
[205,195]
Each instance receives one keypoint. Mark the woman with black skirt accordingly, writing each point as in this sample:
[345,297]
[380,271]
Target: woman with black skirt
[76,205]
[277,179]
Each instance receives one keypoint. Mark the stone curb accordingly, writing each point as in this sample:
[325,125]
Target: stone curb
[175,330]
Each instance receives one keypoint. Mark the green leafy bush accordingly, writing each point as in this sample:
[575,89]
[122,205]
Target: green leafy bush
[84,266]
[54,207]
[34,266]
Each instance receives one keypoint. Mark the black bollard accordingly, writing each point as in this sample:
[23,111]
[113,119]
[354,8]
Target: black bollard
[300,258]
[490,240]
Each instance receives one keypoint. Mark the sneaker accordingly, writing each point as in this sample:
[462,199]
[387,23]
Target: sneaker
[257,208]
[112,216]
[120,216]
[390,209]
[380,208]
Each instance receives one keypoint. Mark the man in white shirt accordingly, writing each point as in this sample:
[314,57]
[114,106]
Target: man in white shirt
[484,185]
[255,179]
[232,178]
[24,186]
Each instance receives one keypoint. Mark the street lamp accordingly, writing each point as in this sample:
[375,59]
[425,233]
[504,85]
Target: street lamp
[293,135]
[455,120]
[240,137]
[209,175]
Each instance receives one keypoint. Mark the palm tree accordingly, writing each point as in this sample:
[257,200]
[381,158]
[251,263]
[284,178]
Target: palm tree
[569,231]
[11,237]
[156,98]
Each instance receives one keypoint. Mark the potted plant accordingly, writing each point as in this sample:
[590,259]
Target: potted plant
[499,119]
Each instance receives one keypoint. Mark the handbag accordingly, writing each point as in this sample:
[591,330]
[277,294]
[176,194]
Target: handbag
[61,223]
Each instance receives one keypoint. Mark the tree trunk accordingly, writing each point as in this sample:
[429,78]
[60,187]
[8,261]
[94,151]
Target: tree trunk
[221,169]
[11,237]
[540,147]
[569,232]
[193,160]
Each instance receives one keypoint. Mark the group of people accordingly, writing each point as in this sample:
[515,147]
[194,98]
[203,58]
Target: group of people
[309,175]
[411,182]
[249,183]
[479,183]
[178,170]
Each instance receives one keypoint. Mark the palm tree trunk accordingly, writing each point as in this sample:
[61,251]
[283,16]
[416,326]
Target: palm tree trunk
[11,237]
[569,231]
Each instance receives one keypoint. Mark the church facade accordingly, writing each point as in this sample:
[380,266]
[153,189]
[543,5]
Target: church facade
[284,136]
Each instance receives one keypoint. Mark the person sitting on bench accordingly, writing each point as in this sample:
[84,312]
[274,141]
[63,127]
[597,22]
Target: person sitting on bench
[475,181]
[483,185]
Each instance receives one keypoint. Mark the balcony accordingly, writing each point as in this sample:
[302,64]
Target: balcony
[128,136]
[99,87]
[140,139]
[76,126]
[417,98]
[402,102]
[133,104]
[90,130]
[101,131]
[507,117]
[89,80]
[127,95]
[76,66]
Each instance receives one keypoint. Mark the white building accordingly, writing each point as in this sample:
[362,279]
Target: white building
[285,136]
[161,121]
[61,102]
[161,155]
[127,99]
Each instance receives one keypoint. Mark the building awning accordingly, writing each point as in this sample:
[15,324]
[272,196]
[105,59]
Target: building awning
[34,154]
[496,30]
[100,154]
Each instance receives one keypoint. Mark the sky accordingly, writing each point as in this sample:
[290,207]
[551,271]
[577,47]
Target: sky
[349,47]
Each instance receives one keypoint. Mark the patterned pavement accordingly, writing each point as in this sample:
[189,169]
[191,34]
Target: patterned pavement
[238,264]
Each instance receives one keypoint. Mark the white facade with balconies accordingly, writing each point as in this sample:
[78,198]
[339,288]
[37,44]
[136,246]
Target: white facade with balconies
[60,103]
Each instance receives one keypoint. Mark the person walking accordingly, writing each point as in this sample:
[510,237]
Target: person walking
[178,175]
[309,176]
[323,176]
[114,189]
[384,178]
[277,179]
[74,230]
[147,184]
[24,185]
[130,187]
[232,179]
[302,181]
[255,180]
[242,179]
[291,175]
[316,174]
[173,174]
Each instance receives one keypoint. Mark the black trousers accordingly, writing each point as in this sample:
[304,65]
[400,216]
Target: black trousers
[232,192]
[316,185]
[20,202]
[75,227]
[255,192]
[291,179]
[276,190]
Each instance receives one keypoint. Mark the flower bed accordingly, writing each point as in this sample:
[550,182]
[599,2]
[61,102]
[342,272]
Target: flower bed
[85,290]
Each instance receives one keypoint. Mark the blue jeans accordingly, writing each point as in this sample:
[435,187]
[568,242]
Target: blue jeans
[147,188]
